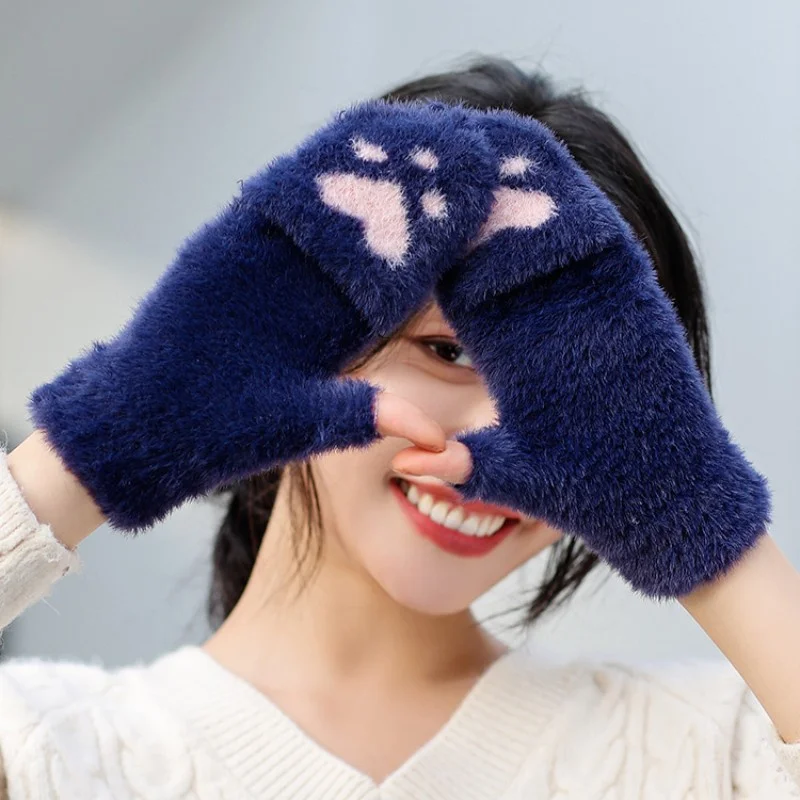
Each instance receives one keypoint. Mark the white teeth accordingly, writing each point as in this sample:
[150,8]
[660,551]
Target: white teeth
[497,524]
[454,518]
[450,516]
[471,525]
[425,503]
[439,512]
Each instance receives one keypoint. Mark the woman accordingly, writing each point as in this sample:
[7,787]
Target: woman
[345,661]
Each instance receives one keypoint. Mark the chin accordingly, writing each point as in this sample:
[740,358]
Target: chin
[418,577]
[430,598]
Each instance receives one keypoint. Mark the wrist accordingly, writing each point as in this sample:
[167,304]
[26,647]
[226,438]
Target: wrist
[53,493]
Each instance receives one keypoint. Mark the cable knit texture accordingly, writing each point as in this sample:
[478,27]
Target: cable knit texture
[184,727]
[31,557]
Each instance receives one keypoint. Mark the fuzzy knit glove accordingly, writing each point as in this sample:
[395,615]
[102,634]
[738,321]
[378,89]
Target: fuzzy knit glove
[606,429]
[231,363]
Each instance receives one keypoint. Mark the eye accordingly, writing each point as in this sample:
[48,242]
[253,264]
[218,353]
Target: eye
[449,351]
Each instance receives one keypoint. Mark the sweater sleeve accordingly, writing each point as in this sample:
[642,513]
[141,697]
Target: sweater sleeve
[738,742]
[763,764]
[32,559]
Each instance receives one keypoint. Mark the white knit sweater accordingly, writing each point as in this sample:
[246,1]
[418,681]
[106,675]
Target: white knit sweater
[185,727]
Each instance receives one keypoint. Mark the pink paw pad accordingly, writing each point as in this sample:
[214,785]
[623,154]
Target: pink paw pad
[380,205]
[519,209]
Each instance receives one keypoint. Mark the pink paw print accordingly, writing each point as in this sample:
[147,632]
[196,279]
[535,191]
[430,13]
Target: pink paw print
[381,205]
[519,209]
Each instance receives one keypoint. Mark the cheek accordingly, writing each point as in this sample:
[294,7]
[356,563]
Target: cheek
[534,536]
[351,485]
[359,513]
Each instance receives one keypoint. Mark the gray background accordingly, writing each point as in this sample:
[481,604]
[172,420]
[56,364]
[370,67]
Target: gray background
[124,125]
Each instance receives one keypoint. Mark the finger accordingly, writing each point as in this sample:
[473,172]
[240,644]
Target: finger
[453,464]
[397,416]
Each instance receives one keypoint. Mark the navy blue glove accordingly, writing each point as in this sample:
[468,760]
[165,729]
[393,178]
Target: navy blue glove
[606,429]
[231,363]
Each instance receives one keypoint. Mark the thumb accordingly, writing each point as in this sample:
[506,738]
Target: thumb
[396,416]
[452,465]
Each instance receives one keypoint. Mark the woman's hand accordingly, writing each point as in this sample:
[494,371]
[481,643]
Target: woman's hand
[232,363]
[450,461]
[397,416]
[52,492]
[430,453]
[58,499]
[605,428]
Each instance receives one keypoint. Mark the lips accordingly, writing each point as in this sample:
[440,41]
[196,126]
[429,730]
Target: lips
[447,539]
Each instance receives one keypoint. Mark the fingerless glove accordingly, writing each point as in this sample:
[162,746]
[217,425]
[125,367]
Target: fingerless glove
[232,363]
[606,429]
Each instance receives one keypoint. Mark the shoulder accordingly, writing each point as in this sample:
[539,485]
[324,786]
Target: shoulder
[80,729]
[34,689]
[711,695]
[703,690]
[650,703]
[707,689]
[679,726]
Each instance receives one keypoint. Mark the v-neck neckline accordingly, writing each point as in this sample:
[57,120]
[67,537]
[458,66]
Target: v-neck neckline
[474,754]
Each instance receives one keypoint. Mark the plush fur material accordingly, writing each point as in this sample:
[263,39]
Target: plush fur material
[229,365]
[605,429]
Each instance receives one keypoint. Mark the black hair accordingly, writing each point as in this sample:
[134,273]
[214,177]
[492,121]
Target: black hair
[602,149]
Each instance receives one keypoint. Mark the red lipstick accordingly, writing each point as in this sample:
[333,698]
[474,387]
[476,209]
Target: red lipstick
[448,539]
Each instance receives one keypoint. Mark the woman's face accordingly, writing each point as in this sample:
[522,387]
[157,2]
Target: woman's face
[371,525]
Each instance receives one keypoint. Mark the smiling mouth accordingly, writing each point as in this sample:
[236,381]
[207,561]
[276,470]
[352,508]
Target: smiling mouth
[450,526]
